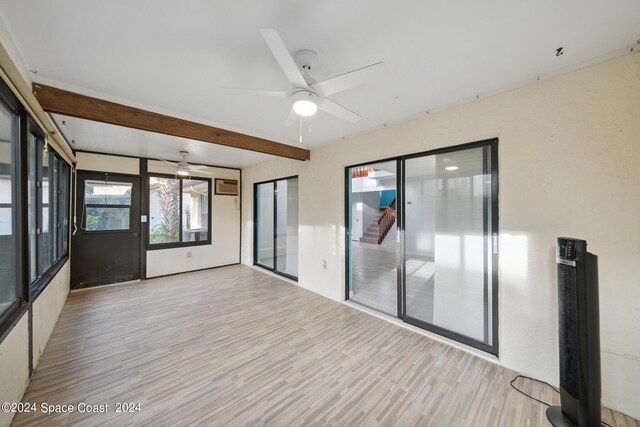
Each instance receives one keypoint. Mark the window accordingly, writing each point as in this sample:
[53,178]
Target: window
[36,177]
[107,205]
[8,238]
[276,226]
[63,207]
[32,196]
[48,186]
[178,211]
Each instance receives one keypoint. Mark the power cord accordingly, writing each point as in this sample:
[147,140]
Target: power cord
[538,400]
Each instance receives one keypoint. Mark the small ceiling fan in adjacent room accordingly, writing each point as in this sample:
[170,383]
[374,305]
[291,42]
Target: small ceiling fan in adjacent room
[308,98]
[184,169]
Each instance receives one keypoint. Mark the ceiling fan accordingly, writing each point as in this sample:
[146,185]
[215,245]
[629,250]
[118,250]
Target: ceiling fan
[309,97]
[183,168]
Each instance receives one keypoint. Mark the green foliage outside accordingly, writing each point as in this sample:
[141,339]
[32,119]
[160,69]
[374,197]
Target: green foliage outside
[168,191]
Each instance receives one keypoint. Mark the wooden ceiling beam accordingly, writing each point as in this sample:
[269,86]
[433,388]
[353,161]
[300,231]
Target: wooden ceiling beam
[58,101]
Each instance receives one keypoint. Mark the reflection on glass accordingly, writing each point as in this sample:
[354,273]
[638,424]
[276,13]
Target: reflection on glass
[33,212]
[264,244]
[195,210]
[7,232]
[53,206]
[107,193]
[64,207]
[164,210]
[46,257]
[447,213]
[103,219]
[287,226]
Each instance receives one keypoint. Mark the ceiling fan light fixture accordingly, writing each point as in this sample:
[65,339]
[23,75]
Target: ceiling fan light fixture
[305,108]
[305,103]
[182,170]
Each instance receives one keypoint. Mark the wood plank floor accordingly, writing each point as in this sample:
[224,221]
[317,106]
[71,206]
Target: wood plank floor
[235,346]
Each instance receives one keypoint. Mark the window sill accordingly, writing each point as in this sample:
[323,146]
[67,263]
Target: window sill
[10,319]
[42,282]
[153,247]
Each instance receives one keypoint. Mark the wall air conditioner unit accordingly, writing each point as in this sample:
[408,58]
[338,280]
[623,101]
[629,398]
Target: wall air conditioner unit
[226,187]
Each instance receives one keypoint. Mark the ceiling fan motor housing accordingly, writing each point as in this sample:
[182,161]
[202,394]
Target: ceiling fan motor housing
[304,95]
[306,59]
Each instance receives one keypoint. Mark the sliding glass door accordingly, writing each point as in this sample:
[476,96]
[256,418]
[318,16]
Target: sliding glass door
[447,221]
[448,251]
[264,221]
[276,226]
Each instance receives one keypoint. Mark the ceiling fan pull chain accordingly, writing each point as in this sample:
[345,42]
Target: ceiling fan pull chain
[300,130]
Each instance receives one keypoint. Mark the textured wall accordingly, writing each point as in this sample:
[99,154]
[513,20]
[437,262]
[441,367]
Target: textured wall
[569,158]
[47,308]
[14,366]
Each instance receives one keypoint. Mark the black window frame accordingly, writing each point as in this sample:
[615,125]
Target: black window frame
[17,307]
[45,275]
[85,206]
[27,290]
[156,246]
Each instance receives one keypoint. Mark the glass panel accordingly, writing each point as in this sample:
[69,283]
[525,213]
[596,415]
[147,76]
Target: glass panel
[64,207]
[46,257]
[98,218]
[107,193]
[104,219]
[287,226]
[33,208]
[8,288]
[195,210]
[264,238]
[446,197]
[373,244]
[53,205]
[164,210]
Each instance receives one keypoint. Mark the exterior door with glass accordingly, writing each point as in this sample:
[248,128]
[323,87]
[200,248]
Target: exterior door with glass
[106,246]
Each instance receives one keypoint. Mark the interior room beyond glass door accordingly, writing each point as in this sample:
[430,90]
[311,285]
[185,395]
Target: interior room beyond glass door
[449,259]
[372,237]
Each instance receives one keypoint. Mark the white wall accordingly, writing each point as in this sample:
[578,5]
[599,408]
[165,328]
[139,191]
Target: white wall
[47,308]
[225,217]
[14,349]
[569,157]
[106,163]
[225,232]
[14,366]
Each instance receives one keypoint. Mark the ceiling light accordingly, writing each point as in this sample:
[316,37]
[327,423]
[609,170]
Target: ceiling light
[305,108]
[451,168]
[182,170]
[305,103]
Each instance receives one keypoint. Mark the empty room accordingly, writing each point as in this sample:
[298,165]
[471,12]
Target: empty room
[287,213]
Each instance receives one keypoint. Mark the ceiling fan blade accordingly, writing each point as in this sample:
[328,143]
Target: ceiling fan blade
[293,117]
[201,172]
[169,162]
[338,110]
[351,79]
[283,57]
[198,167]
[274,93]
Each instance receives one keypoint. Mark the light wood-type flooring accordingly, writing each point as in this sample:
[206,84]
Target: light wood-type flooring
[237,347]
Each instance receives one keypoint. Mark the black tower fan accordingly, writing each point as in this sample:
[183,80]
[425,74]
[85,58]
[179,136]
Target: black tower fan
[579,333]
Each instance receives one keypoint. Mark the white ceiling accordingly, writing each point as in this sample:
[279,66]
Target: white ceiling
[178,58]
[111,139]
